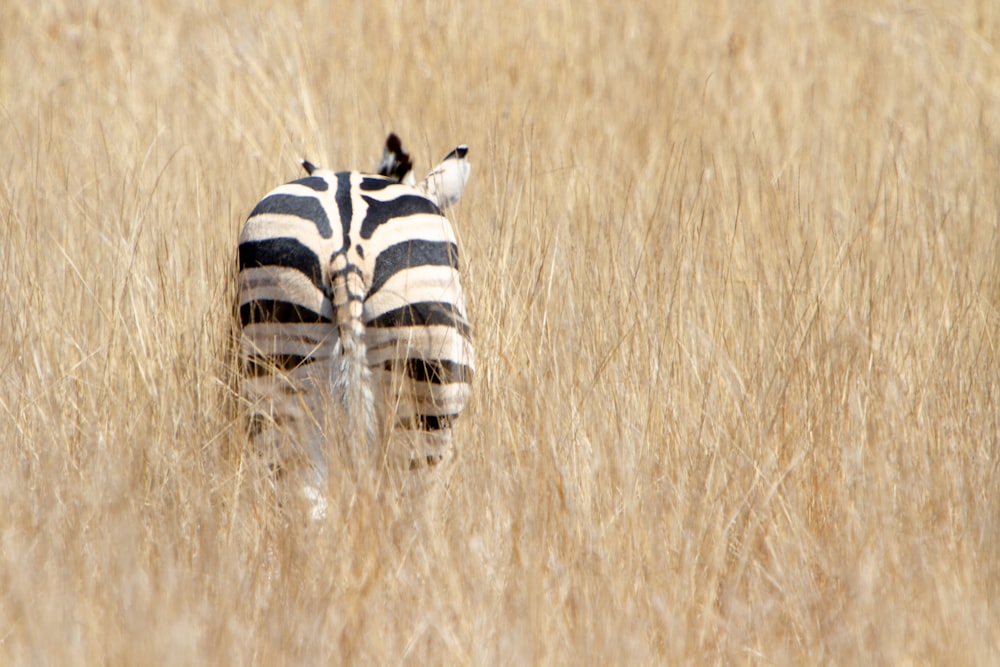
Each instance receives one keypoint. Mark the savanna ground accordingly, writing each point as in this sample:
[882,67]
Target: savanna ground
[733,273]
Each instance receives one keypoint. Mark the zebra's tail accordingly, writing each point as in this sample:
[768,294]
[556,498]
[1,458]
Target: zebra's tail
[353,382]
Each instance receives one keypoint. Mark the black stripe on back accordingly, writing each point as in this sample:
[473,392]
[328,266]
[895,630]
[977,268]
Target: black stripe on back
[372,183]
[308,208]
[424,313]
[380,212]
[284,312]
[344,205]
[408,254]
[285,252]
[434,371]
[314,183]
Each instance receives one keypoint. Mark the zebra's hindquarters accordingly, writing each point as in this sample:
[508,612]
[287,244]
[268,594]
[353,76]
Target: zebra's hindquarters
[288,351]
[288,417]
[420,352]
[354,329]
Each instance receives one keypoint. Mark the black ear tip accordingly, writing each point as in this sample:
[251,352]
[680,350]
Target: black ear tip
[308,166]
[393,144]
[460,152]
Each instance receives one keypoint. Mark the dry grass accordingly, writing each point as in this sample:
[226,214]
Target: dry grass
[735,284]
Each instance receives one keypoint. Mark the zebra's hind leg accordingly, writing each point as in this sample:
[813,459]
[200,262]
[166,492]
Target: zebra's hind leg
[315,497]
[287,435]
[415,449]
[290,469]
[418,466]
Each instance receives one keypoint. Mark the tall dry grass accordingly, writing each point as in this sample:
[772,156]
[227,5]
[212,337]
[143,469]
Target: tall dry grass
[734,278]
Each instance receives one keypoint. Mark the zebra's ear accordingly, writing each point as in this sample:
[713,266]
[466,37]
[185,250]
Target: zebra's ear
[446,182]
[308,166]
[395,162]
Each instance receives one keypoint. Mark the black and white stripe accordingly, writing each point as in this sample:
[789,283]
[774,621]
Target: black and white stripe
[353,326]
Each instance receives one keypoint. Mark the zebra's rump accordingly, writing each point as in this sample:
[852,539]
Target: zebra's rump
[342,271]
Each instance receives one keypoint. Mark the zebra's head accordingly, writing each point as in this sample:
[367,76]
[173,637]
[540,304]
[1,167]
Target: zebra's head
[396,162]
[445,182]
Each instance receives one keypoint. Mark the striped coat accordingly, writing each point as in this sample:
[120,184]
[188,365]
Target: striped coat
[354,334]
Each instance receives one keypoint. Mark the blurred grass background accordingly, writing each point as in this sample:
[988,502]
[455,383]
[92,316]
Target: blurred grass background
[733,272]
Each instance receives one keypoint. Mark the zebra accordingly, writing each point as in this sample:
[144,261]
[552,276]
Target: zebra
[353,329]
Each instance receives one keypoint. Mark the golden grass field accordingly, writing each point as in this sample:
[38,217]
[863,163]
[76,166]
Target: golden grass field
[733,274]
